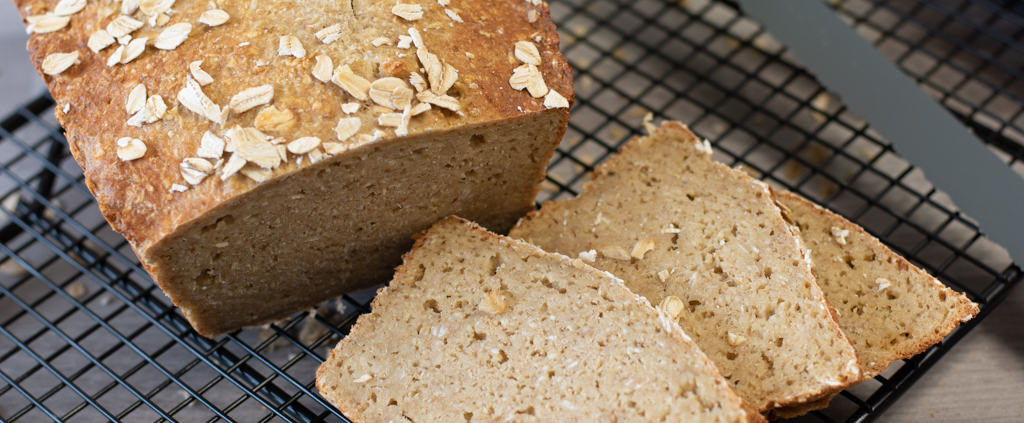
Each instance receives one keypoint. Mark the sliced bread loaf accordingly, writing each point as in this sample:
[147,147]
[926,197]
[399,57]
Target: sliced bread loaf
[477,327]
[710,244]
[888,308]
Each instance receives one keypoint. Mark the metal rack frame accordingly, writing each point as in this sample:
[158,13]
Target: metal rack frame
[86,336]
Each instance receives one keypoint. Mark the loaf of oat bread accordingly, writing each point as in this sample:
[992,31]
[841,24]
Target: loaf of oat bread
[710,243]
[261,157]
[477,327]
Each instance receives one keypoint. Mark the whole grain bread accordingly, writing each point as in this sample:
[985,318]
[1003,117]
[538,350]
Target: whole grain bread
[477,327]
[693,234]
[888,308]
[261,157]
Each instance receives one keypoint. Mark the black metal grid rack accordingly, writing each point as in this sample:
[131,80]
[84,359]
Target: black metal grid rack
[86,336]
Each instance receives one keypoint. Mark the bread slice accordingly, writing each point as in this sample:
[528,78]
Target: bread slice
[356,124]
[676,225]
[477,327]
[888,308]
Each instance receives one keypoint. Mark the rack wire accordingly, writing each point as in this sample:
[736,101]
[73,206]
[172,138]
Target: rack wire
[86,336]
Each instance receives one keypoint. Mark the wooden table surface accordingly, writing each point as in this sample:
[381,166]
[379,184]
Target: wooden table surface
[980,379]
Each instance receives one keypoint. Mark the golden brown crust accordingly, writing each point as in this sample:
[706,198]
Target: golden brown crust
[134,196]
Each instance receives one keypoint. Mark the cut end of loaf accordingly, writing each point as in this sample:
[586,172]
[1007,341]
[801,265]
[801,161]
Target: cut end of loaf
[715,239]
[478,327]
[342,224]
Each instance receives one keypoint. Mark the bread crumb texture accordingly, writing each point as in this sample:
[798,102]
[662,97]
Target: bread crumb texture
[888,308]
[476,327]
[730,258]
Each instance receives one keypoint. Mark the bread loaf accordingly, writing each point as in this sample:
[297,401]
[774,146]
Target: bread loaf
[261,157]
[477,327]
[710,242]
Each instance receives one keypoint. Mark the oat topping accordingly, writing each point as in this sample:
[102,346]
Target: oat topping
[379,41]
[403,126]
[153,110]
[614,253]
[291,46]
[419,109]
[417,39]
[272,119]
[527,52]
[840,235]
[122,26]
[129,6]
[554,100]
[389,92]
[735,340]
[69,7]
[124,40]
[252,97]
[115,57]
[215,17]
[177,187]
[234,164]
[492,303]
[355,85]
[134,49]
[333,148]
[173,36]
[155,7]
[199,74]
[194,99]
[534,2]
[322,68]
[404,41]
[43,24]
[211,147]
[253,146]
[314,156]
[162,19]
[455,16]
[303,145]
[527,76]
[444,3]
[347,127]
[59,62]
[531,16]
[672,305]
[100,40]
[195,170]
[350,108]
[445,101]
[330,34]
[256,173]
[409,12]
[390,119]
[418,82]
[129,148]
[642,247]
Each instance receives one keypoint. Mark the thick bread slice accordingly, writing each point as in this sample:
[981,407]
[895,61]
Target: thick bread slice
[285,152]
[673,223]
[477,327]
[888,308]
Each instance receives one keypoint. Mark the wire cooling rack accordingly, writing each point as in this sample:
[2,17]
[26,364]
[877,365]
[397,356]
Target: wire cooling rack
[86,336]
